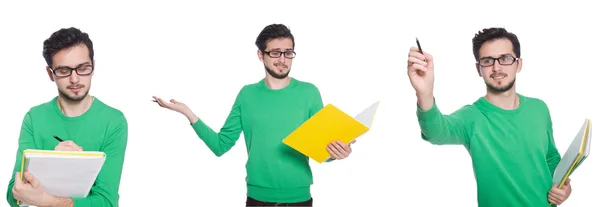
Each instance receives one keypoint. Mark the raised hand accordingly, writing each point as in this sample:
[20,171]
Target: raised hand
[420,73]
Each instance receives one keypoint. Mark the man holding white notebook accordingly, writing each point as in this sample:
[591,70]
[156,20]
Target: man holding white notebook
[508,135]
[72,121]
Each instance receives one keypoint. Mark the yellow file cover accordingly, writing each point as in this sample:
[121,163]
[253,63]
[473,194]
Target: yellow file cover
[327,125]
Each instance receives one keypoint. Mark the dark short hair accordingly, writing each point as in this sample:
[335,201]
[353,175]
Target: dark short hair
[494,33]
[273,31]
[66,38]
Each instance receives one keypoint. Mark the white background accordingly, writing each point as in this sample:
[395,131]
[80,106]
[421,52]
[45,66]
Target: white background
[202,54]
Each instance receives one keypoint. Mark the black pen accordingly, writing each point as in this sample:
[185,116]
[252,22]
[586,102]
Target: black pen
[58,138]
[154,101]
[419,45]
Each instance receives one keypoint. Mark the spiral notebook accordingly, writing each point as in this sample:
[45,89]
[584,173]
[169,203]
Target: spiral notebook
[63,174]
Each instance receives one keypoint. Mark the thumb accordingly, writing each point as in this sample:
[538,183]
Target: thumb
[568,181]
[174,101]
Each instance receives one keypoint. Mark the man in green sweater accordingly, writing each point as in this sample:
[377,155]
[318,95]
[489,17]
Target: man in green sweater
[266,112]
[508,135]
[83,121]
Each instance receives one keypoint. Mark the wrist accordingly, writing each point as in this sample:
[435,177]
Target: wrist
[49,201]
[192,118]
[425,101]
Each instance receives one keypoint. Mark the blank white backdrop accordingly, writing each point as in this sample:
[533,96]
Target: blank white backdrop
[202,54]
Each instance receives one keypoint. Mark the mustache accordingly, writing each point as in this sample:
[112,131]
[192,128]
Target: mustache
[498,74]
[75,86]
[281,64]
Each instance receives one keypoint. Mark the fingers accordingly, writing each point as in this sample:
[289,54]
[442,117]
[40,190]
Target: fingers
[344,147]
[31,179]
[339,149]
[19,184]
[334,152]
[18,180]
[416,60]
[68,146]
[553,200]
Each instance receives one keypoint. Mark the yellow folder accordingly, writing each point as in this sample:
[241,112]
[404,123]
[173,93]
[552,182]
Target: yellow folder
[327,125]
[577,152]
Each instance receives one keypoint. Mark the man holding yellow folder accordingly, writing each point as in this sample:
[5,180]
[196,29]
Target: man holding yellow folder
[266,112]
[508,135]
[72,121]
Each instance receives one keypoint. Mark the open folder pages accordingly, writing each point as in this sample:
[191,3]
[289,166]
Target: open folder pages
[63,174]
[328,125]
[577,152]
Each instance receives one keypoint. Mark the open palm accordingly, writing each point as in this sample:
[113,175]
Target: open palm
[172,105]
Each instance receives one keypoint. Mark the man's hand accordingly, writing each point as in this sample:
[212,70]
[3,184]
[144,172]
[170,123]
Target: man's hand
[420,74]
[558,196]
[67,146]
[31,192]
[339,150]
[178,107]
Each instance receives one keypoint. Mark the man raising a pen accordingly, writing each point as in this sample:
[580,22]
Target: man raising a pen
[276,173]
[72,121]
[508,135]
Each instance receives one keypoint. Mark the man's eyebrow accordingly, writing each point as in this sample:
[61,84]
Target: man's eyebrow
[80,64]
[502,55]
[279,49]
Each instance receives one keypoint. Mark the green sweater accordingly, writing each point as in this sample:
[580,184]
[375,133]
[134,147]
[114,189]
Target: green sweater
[275,171]
[100,128]
[512,151]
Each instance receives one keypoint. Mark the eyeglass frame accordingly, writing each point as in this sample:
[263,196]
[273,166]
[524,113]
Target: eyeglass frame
[515,59]
[71,70]
[280,53]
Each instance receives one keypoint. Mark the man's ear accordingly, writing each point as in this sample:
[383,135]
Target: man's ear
[94,65]
[520,64]
[478,69]
[49,73]
[260,55]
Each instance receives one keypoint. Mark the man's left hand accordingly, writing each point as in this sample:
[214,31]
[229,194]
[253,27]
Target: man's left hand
[558,196]
[31,192]
[338,150]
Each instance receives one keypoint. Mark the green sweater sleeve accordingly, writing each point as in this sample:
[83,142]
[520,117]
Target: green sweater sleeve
[221,142]
[441,129]
[105,191]
[25,142]
[553,157]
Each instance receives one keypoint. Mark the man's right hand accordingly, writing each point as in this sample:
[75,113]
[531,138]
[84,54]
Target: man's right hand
[67,146]
[178,107]
[420,73]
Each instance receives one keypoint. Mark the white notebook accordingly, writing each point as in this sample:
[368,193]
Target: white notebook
[63,174]
[577,152]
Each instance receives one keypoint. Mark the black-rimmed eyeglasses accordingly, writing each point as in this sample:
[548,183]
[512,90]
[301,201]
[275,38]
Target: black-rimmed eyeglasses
[276,54]
[502,60]
[67,71]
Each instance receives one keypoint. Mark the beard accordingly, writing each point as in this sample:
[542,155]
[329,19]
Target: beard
[500,89]
[275,75]
[74,98]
